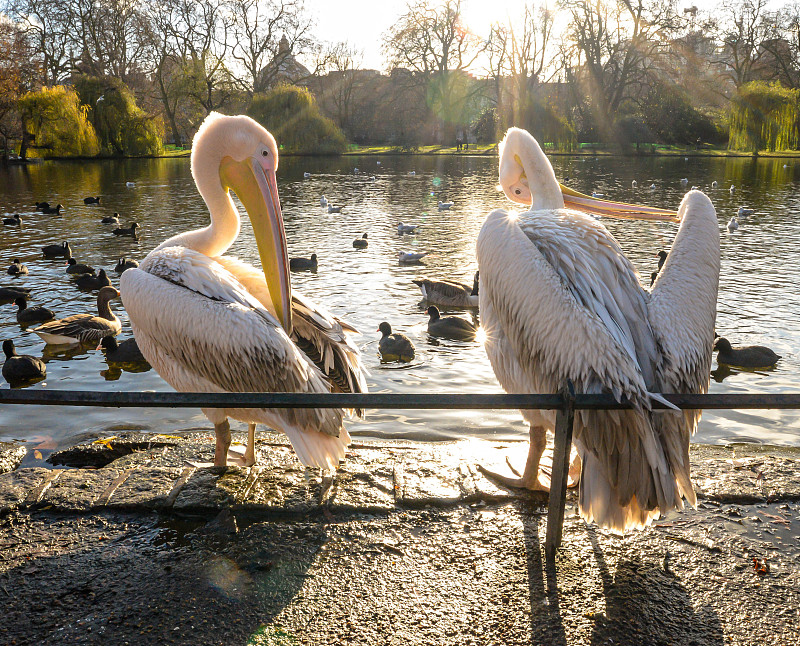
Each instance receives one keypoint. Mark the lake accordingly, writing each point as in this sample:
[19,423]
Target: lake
[759,301]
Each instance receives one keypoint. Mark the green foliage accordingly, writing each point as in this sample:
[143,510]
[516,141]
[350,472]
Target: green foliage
[764,116]
[670,116]
[634,130]
[123,127]
[485,127]
[546,124]
[58,122]
[291,114]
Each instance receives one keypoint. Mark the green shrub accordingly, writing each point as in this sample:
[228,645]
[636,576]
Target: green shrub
[542,120]
[764,116]
[122,127]
[667,112]
[485,127]
[58,122]
[292,116]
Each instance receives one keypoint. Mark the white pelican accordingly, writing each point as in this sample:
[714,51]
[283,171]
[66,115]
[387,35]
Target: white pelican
[210,323]
[560,301]
[448,292]
[733,224]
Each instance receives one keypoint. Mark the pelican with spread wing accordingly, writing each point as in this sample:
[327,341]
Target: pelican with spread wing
[211,323]
[559,301]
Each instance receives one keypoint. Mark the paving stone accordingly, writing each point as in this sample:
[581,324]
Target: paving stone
[210,489]
[15,486]
[145,488]
[79,489]
[364,482]
[11,454]
[423,481]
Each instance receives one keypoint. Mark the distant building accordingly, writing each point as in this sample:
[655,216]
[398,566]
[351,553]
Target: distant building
[283,68]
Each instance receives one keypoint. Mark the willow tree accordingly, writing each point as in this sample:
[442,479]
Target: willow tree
[291,114]
[123,127]
[58,122]
[764,116]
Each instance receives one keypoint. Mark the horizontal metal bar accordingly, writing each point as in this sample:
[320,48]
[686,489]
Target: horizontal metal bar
[397,401]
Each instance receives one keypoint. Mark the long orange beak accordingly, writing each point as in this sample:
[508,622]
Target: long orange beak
[253,181]
[581,202]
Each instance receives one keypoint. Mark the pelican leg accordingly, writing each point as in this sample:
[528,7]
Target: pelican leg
[250,453]
[530,477]
[223,432]
[574,473]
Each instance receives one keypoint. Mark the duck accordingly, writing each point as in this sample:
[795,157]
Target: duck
[34,314]
[714,184]
[733,224]
[303,264]
[10,294]
[750,356]
[42,205]
[125,263]
[410,256]
[448,292]
[450,327]
[84,328]
[406,228]
[125,352]
[13,221]
[56,250]
[91,200]
[19,368]
[90,282]
[52,210]
[17,268]
[653,277]
[130,231]
[334,209]
[662,258]
[74,267]
[361,243]
[110,219]
[743,212]
[445,206]
[394,347]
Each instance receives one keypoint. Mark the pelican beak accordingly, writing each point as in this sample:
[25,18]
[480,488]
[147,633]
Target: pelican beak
[580,202]
[253,181]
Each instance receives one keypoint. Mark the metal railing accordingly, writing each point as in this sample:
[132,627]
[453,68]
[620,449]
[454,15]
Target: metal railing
[565,404]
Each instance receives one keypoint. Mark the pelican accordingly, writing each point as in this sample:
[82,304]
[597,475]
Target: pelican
[448,292]
[733,224]
[560,301]
[211,323]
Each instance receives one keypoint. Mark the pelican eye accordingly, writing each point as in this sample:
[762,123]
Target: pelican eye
[264,153]
[518,191]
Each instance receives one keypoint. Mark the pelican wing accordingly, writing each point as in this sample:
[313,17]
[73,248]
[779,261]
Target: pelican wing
[320,335]
[188,308]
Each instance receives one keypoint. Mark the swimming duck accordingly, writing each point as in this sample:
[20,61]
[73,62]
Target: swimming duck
[303,264]
[124,263]
[42,205]
[662,258]
[19,368]
[334,209]
[406,228]
[714,184]
[110,219]
[743,212]
[10,294]
[52,210]
[448,292]
[361,243]
[84,328]
[74,267]
[17,268]
[394,347]
[35,314]
[57,250]
[130,231]
[90,282]
[13,221]
[125,352]
[411,257]
[751,356]
[323,201]
[450,327]
[91,200]
[445,206]
[653,277]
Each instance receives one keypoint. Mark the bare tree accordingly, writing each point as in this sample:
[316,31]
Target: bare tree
[342,62]
[743,28]
[47,24]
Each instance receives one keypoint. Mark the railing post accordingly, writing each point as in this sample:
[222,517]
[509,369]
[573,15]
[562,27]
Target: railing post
[558,481]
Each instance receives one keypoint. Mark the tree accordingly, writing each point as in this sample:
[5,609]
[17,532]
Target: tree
[342,62]
[743,29]
[764,116]
[47,23]
[19,71]
[59,122]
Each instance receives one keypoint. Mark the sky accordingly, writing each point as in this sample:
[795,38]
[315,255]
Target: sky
[363,22]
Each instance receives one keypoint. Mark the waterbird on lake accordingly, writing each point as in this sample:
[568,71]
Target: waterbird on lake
[449,293]
[334,209]
[394,346]
[733,224]
[21,368]
[125,352]
[57,251]
[714,184]
[304,264]
[378,163]
[595,194]
[16,268]
[130,184]
[750,356]
[207,322]
[662,258]
[653,277]
[406,228]
[88,282]
[74,267]
[634,183]
[412,172]
[52,210]
[33,314]
[695,188]
[130,231]
[306,175]
[445,206]
[408,257]
[684,181]
[42,205]
[84,328]
[110,219]
[323,201]
[14,220]
[559,301]
[743,212]
[450,327]
[732,189]
[91,200]
[786,165]
[10,294]
[356,171]
[361,243]
[652,187]
[125,263]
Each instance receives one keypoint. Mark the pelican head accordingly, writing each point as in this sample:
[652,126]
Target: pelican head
[236,153]
[527,177]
